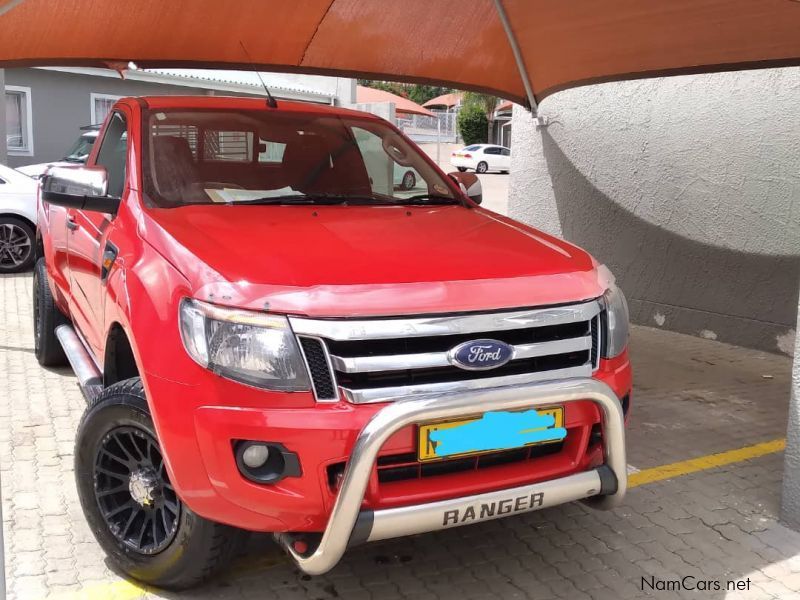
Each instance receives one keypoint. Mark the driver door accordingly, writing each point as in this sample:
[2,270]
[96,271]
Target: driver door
[87,234]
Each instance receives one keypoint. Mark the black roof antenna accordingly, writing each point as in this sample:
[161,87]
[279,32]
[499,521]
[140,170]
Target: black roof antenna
[271,102]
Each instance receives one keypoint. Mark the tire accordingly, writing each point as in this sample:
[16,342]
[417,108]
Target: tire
[17,240]
[462,169]
[157,539]
[46,317]
[482,167]
[409,180]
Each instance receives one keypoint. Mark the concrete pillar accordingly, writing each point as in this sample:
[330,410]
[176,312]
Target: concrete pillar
[531,195]
[790,509]
[3,156]
[686,187]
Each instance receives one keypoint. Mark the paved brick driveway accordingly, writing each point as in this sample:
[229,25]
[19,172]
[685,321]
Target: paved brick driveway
[693,397]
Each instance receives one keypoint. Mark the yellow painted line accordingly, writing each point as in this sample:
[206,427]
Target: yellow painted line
[126,590]
[123,589]
[703,463]
[112,590]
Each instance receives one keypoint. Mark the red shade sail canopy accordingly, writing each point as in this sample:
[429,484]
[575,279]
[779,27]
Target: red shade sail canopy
[403,106]
[469,44]
[445,100]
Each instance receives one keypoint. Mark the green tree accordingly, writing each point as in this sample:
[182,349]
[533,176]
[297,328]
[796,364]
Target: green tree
[417,92]
[487,103]
[472,124]
[387,86]
[420,93]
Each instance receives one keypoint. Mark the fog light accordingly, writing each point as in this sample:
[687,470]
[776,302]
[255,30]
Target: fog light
[255,455]
[265,462]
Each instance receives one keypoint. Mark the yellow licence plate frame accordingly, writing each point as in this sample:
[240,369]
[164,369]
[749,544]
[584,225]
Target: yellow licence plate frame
[426,448]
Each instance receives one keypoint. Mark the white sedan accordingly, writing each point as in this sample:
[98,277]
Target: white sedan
[482,158]
[18,195]
[78,154]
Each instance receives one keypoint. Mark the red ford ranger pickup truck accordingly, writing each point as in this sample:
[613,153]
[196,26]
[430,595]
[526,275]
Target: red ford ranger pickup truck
[273,335]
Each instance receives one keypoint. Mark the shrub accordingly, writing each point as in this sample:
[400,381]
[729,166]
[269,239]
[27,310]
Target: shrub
[473,125]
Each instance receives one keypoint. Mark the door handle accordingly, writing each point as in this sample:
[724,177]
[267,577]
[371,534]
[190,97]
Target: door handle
[71,224]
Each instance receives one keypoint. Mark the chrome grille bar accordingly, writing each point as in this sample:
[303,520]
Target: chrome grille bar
[425,360]
[386,394]
[388,328]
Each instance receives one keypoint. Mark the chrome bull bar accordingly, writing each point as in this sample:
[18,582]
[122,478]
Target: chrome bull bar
[604,486]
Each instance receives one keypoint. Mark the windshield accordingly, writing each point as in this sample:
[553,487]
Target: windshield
[272,157]
[81,149]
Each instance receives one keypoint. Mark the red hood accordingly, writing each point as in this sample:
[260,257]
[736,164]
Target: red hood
[346,261]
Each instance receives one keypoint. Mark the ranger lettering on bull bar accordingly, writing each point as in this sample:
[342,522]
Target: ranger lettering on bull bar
[493,509]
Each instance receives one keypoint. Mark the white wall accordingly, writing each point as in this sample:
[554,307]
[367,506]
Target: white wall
[384,110]
[688,187]
[3,156]
[790,508]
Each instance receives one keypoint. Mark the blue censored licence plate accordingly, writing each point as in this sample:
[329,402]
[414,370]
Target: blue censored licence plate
[497,430]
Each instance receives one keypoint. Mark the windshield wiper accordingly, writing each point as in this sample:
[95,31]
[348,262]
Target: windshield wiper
[348,199]
[318,199]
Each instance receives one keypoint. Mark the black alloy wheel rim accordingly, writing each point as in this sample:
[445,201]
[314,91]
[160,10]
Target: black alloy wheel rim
[15,246]
[133,491]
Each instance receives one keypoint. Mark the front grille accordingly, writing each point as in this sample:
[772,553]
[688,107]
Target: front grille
[382,359]
[443,343]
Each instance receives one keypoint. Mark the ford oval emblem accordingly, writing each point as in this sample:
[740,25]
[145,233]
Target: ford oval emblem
[480,355]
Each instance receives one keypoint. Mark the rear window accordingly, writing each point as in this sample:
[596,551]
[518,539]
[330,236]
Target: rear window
[236,146]
[472,148]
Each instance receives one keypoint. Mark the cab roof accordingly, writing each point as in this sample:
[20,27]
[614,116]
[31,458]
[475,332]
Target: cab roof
[242,103]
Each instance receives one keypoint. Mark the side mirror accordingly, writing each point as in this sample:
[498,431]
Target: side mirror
[469,184]
[84,188]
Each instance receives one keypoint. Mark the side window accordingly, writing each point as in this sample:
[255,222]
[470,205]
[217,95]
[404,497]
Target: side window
[493,150]
[505,151]
[386,176]
[113,154]
[380,167]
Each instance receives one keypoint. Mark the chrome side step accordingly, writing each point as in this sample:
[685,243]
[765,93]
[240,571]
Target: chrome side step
[90,380]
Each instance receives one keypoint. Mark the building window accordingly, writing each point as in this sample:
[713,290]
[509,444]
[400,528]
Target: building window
[19,123]
[101,106]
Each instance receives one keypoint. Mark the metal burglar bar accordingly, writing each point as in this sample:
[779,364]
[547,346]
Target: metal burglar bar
[422,128]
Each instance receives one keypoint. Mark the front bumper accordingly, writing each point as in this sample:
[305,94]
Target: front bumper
[605,485]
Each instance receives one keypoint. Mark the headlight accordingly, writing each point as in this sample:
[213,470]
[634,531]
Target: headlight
[257,349]
[617,328]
